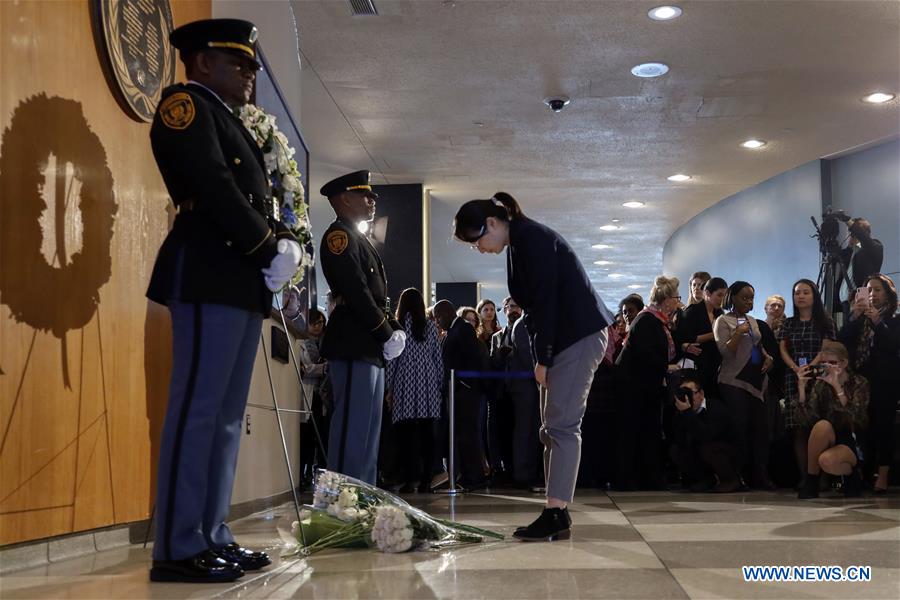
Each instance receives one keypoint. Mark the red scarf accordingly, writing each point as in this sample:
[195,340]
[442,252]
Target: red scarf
[659,314]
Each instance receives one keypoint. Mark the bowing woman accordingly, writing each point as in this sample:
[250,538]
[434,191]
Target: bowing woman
[546,279]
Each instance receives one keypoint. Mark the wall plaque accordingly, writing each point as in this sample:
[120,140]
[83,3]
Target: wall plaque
[134,35]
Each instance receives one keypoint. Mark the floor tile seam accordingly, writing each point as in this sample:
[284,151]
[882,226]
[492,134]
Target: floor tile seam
[658,558]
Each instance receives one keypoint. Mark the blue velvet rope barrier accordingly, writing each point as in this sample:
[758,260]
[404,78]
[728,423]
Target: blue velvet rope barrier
[496,374]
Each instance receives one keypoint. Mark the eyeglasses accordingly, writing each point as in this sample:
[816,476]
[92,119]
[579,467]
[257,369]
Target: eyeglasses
[481,232]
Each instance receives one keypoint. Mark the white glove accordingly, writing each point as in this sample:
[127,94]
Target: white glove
[394,346]
[283,265]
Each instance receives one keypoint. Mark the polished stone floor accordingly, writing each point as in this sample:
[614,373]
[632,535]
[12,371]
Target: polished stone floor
[624,545]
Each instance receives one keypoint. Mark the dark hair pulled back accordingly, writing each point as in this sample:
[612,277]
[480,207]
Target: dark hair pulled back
[471,218]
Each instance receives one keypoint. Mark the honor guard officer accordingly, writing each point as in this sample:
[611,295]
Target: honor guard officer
[216,271]
[361,334]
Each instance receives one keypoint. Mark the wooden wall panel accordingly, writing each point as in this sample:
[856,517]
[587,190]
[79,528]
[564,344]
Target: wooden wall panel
[84,357]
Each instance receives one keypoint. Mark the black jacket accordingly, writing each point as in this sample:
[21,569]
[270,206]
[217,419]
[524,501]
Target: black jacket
[693,323]
[462,353]
[867,260]
[883,367]
[713,424]
[644,358]
[215,174]
[548,282]
[361,323]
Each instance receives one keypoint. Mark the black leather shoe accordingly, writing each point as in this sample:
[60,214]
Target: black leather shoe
[247,559]
[205,567]
[553,524]
[852,484]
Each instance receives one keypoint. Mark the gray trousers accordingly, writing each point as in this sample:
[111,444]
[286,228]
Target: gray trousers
[562,407]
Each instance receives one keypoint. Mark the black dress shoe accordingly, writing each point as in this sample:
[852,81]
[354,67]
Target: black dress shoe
[553,524]
[247,559]
[205,567]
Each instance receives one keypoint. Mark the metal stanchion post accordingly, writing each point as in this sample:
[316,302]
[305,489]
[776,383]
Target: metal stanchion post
[452,490]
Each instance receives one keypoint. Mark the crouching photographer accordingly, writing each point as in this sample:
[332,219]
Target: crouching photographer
[835,411]
[703,432]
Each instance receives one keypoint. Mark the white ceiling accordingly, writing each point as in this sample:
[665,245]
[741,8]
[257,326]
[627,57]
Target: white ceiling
[401,93]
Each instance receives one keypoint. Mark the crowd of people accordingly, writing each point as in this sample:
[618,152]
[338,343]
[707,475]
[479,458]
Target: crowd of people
[701,395]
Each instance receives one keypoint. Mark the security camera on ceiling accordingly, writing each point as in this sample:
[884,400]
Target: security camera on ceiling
[557,103]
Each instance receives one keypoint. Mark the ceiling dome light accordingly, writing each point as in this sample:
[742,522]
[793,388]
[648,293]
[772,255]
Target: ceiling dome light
[633,204]
[664,13]
[635,286]
[679,177]
[615,275]
[363,227]
[754,144]
[609,227]
[602,262]
[601,246]
[650,70]
[879,98]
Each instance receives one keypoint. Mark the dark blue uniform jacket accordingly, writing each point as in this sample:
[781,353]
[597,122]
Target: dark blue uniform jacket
[546,279]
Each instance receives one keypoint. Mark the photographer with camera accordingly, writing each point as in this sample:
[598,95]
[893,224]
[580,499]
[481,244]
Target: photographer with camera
[835,412]
[862,257]
[872,335]
[703,431]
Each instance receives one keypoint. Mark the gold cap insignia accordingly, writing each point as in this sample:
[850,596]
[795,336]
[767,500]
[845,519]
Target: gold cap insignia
[177,111]
[337,242]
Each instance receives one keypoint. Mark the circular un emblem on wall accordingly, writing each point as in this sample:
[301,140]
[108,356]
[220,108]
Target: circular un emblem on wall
[135,35]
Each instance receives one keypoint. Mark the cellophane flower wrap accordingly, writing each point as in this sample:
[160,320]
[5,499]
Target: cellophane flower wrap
[348,513]
[284,175]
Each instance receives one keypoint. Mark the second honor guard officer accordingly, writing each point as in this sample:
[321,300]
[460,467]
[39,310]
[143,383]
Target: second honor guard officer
[215,271]
[361,334]
[566,322]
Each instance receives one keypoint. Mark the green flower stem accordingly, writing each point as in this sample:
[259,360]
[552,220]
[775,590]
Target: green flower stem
[470,529]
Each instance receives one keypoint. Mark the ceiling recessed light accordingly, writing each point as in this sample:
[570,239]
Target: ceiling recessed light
[602,262]
[633,204]
[363,226]
[679,177]
[615,220]
[879,98]
[615,275]
[601,246]
[635,286]
[753,144]
[650,70]
[664,13]
[609,227]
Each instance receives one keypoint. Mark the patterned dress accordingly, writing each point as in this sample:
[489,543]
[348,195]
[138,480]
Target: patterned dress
[803,342]
[414,377]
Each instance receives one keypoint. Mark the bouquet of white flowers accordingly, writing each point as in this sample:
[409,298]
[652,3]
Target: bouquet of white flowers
[348,513]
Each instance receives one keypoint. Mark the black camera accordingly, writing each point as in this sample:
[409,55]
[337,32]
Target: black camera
[830,229]
[685,394]
[818,370]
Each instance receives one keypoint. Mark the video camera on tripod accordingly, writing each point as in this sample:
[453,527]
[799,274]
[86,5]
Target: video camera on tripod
[828,233]
[832,271]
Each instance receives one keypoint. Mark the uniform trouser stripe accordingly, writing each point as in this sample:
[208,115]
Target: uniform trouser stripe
[345,425]
[179,432]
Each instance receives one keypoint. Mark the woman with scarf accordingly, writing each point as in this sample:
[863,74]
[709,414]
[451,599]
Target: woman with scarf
[742,379]
[643,363]
[872,336]
[546,279]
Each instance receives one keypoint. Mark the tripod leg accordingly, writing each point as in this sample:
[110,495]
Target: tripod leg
[149,525]
[307,405]
[287,459]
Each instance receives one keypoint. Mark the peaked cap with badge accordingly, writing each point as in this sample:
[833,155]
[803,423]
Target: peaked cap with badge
[358,181]
[230,35]
[361,322]
[225,230]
